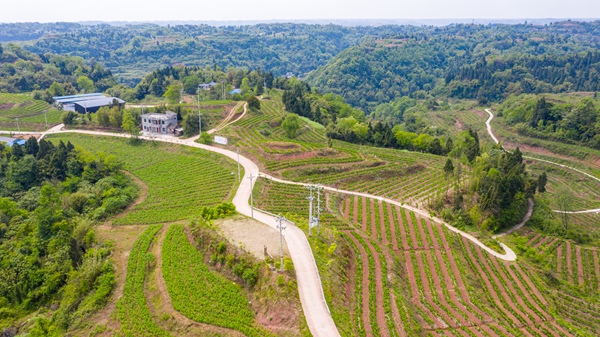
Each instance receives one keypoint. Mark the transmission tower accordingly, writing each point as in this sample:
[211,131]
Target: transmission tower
[318,217]
[310,209]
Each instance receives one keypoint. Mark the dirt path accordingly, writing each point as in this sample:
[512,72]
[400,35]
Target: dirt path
[416,297]
[533,239]
[541,242]
[355,210]
[162,305]
[441,314]
[520,224]
[489,286]
[381,321]
[392,227]
[123,238]
[569,262]
[597,266]
[448,284]
[347,208]
[402,229]
[365,285]
[411,229]
[382,229]
[559,260]
[364,215]
[580,272]
[461,285]
[489,130]
[373,224]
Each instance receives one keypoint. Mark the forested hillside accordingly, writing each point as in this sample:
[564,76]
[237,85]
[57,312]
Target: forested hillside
[132,51]
[23,71]
[466,61]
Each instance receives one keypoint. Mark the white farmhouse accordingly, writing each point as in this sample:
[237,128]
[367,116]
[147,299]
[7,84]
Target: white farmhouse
[165,124]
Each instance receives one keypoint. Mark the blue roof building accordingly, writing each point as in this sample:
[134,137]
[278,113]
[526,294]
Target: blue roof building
[95,104]
[12,141]
[235,91]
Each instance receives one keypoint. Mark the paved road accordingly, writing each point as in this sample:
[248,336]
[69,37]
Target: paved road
[509,254]
[310,288]
[489,129]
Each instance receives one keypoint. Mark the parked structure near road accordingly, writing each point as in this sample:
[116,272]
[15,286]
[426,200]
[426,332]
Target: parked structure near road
[164,124]
[12,141]
[86,102]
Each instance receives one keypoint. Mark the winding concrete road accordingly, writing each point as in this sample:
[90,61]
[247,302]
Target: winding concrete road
[489,130]
[310,288]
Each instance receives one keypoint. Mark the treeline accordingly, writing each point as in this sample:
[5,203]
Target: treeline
[50,195]
[570,119]
[188,79]
[131,51]
[392,130]
[465,61]
[50,75]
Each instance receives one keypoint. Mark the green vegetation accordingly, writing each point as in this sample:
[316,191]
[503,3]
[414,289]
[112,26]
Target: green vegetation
[30,112]
[465,61]
[168,171]
[203,295]
[51,196]
[574,120]
[53,75]
[132,308]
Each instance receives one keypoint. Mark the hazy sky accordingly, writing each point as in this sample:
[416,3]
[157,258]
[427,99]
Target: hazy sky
[155,10]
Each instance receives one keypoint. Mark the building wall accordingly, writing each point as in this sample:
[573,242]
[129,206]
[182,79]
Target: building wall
[157,125]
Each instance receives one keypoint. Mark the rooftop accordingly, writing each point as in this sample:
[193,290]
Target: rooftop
[166,115]
[78,98]
[99,102]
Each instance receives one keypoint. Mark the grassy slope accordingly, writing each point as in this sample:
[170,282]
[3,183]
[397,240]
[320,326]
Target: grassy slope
[180,179]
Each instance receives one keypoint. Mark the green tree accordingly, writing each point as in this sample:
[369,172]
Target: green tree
[56,90]
[245,87]
[85,84]
[190,124]
[291,125]
[173,93]
[542,181]
[68,117]
[253,102]
[449,167]
[190,84]
[129,124]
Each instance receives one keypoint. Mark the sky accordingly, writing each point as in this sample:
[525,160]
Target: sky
[173,10]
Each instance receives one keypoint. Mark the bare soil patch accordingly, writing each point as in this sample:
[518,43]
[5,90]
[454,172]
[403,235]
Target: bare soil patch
[251,235]
[282,146]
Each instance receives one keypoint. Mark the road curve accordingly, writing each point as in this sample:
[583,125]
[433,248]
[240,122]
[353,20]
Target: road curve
[489,130]
[509,254]
[314,306]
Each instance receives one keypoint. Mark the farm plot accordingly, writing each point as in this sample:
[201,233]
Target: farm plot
[445,272]
[30,113]
[200,294]
[574,264]
[132,309]
[180,180]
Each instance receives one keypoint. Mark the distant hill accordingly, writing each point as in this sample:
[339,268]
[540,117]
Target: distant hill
[466,61]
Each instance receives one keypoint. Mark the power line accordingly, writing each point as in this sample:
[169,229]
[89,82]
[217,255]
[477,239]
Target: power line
[280,226]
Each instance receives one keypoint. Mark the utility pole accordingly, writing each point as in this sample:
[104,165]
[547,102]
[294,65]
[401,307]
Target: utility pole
[199,123]
[318,218]
[310,209]
[46,117]
[239,174]
[280,220]
[251,201]
[18,128]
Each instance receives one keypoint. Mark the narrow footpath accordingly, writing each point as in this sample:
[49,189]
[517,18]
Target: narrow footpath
[489,130]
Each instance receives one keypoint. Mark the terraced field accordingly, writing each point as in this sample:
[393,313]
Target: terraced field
[180,179]
[307,158]
[408,275]
[29,111]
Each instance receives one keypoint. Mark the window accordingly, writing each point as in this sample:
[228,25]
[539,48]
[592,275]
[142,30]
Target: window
[164,130]
[144,120]
[163,122]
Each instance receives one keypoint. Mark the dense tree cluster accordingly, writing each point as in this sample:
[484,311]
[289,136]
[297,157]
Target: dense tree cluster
[571,119]
[465,61]
[53,75]
[50,195]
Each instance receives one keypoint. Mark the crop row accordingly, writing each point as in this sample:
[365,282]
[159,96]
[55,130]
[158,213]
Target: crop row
[132,308]
[200,294]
